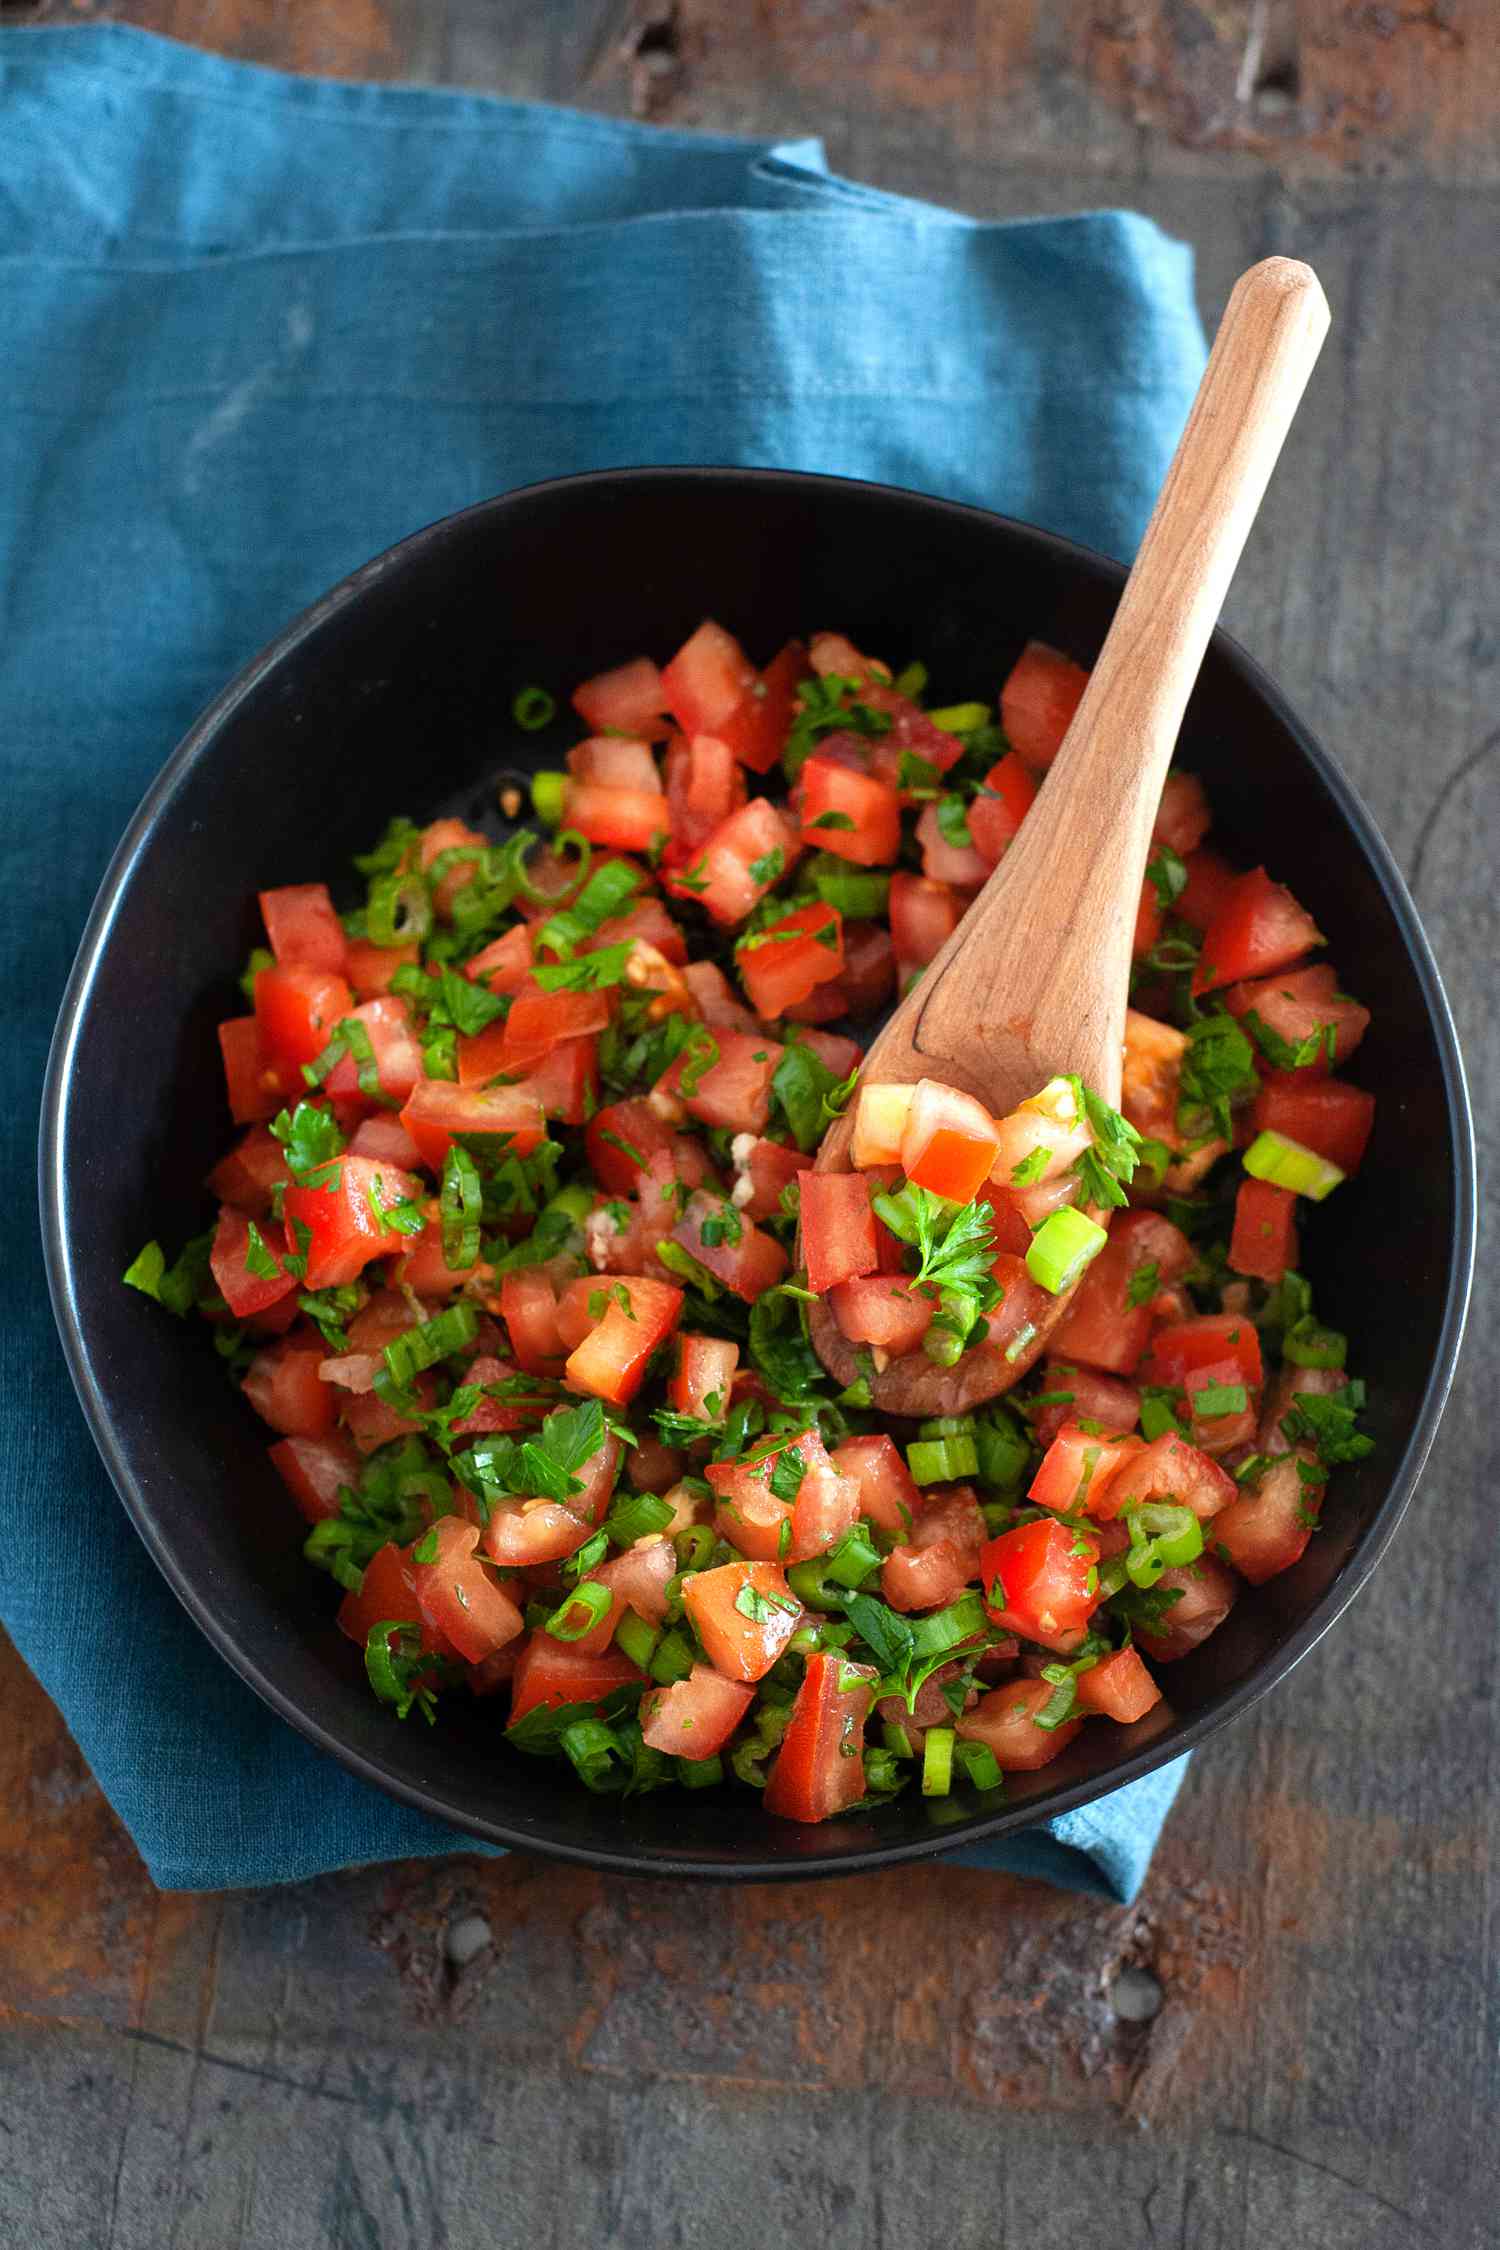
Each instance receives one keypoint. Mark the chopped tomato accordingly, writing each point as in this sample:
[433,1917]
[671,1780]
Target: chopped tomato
[566,1081]
[538,1020]
[1118,1687]
[864,985]
[838,1228]
[1210,880]
[1038,700]
[315,1470]
[1148,921]
[945,861]
[1210,1339]
[528,1306]
[633,819]
[298,1011]
[1005,1719]
[303,929]
[370,968]
[438,1109]
[813,1511]
[1182,818]
[551,1674]
[1039,1579]
[629,699]
[246,1176]
[1083,1394]
[1266,1528]
[528,1533]
[1206,1594]
[1108,1323]
[704,1377]
[735,1090]
[850,814]
[693,1718]
[707,679]
[885,1311]
[1326,1115]
[244,1292]
[1303,1005]
[610,1362]
[1079,1468]
[924,915]
[468,846]
[996,814]
[782,964]
[504,966]
[948,1142]
[820,1768]
[394,1045]
[735,1251]
[705,785]
[456,1595]
[251,1086]
[743,857]
[744,1614]
[756,730]
[1258,929]
[770,1169]
[615,762]
[887,1494]
[283,1385]
[714,998]
[346,1221]
[1264,1242]
[1169,1469]
[386,1596]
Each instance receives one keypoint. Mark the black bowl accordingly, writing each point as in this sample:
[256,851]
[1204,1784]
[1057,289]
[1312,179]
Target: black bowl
[395,694]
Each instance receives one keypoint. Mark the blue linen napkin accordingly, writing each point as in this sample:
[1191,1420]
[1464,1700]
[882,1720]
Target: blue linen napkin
[257,328]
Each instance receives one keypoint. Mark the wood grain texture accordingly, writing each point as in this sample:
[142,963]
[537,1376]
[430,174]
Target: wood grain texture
[933,2053]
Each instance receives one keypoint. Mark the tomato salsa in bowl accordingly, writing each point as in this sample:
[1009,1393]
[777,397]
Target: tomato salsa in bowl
[410,689]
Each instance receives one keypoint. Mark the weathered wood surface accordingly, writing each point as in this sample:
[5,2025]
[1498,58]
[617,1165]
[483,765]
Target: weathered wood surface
[935,2054]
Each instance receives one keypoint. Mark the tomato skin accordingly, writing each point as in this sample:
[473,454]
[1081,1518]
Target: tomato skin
[251,1089]
[820,1768]
[1266,1530]
[1044,1569]
[457,1598]
[705,785]
[749,1266]
[283,1385]
[313,1469]
[548,1672]
[386,1596]
[244,1292]
[1299,1003]
[831,794]
[924,915]
[1078,1468]
[1264,1242]
[1327,1115]
[1258,929]
[1172,1470]
[628,699]
[784,963]
[1185,1346]
[438,1109]
[1038,700]
[1118,1687]
[838,1228]
[888,1496]
[631,819]
[882,1310]
[610,1362]
[756,730]
[297,1011]
[1005,1722]
[1208,1593]
[394,1044]
[1183,818]
[303,929]
[705,1370]
[742,1647]
[341,1219]
[693,1718]
[996,814]
[707,679]
[735,1091]
[528,1307]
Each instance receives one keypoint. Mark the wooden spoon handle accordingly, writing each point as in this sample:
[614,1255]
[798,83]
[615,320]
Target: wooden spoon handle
[1056,918]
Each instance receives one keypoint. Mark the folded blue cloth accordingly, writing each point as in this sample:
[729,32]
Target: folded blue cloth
[257,328]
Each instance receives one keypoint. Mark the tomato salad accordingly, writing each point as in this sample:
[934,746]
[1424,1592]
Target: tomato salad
[515,1251]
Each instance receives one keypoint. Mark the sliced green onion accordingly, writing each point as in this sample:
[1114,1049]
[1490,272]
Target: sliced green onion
[997,1515]
[390,1648]
[636,1639]
[897,1740]
[960,718]
[947,1425]
[409,1355]
[859,893]
[579,1612]
[978,1765]
[852,1560]
[911,679]
[636,1514]
[461,1207]
[941,1629]
[1286,1163]
[597,1757]
[937,1761]
[814,1585]
[694,1546]
[699,1773]
[1061,1247]
[1306,1344]
[942,1460]
[534,709]
[1004,1450]
[1161,1538]
[674,1658]
[400,910]
[1112,1576]
[547,790]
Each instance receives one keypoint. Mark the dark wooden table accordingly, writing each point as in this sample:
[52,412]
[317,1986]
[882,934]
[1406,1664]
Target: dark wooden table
[1303,2046]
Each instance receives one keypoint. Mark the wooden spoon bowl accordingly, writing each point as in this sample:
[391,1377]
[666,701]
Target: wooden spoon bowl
[1034,981]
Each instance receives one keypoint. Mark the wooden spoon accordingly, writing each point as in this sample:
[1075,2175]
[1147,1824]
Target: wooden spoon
[1034,980]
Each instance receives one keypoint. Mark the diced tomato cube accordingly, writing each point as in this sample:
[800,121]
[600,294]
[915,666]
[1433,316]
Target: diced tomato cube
[526,1534]
[849,814]
[632,819]
[1326,1115]
[704,1377]
[1169,1469]
[615,762]
[552,1674]
[1118,1687]
[756,730]
[1083,1394]
[770,1169]
[283,1385]
[1205,1341]
[820,1768]
[743,857]
[1005,1721]
[1210,880]
[505,965]
[438,1109]
[693,1718]
[528,1307]
[610,1362]
[886,1311]
[735,1090]
[394,1044]
[707,679]
[246,1176]
[1103,1326]
[303,928]
[1219,1424]
[629,699]
[253,1090]
[1182,818]
[566,1081]
[1039,1579]
[1038,701]
[385,1596]
[244,1292]
[344,1219]
[887,1494]
[782,964]
[297,1011]
[370,968]
[1148,921]
[1266,1528]
[838,1228]
[314,1471]
[730,1245]
[457,1596]
[865,984]
[385,1139]
[948,1141]
[1206,1594]
[924,915]
[705,784]
[1300,1005]
[1079,1468]
[1258,929]
[744,1614]
[944,861]
[996,814]
[1264,1242]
